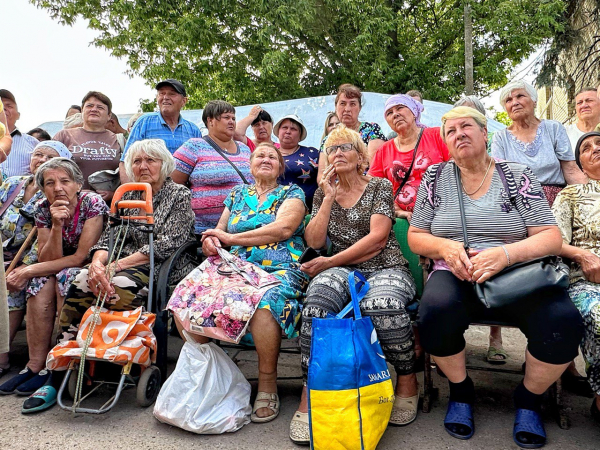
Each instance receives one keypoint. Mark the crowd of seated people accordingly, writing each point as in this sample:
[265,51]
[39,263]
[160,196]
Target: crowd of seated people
[251,195]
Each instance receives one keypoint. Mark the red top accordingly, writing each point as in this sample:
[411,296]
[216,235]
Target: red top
[392,164]
[252,145]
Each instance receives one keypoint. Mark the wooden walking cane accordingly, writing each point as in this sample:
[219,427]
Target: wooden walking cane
[24,247]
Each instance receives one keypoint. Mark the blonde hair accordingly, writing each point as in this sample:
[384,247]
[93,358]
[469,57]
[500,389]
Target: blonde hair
[279,155]
[462,112]
[343,134]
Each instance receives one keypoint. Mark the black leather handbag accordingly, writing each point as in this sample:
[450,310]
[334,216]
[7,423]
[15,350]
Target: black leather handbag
[519,281]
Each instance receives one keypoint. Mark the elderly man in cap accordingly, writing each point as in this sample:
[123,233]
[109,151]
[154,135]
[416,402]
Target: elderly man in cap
[166,124]
[17,163]
[587,109]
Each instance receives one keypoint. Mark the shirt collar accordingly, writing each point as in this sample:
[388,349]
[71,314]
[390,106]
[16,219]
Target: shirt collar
[164,122]
[16,131]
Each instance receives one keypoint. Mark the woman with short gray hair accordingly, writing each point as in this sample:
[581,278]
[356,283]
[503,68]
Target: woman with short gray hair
[543,145]
[69,223]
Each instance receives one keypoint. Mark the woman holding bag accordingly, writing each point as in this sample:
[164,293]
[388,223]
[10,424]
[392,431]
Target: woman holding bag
[508,221]
[212,165]
[355,212]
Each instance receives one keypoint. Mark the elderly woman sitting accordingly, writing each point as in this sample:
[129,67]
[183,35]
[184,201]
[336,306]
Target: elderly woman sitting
[18,197]
[69,222]
[356,213]
[147,161]
[503,230]
[576,209]
[264,223]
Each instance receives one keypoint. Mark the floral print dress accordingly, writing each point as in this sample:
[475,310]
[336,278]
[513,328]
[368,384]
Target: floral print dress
[577,211]
[280,259]
[15,225]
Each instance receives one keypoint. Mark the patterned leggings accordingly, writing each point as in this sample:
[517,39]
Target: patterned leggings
[586,297]
[131,291]
[390,291]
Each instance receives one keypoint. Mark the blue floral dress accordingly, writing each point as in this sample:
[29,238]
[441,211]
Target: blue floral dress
[278,258]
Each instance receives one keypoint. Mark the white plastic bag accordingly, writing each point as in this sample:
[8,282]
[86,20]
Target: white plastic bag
[206,394]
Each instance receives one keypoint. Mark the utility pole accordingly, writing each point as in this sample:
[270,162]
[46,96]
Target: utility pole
[468,49]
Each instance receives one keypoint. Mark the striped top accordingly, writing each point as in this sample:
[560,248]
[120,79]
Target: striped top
[497,218]
[17,163]
[211,178]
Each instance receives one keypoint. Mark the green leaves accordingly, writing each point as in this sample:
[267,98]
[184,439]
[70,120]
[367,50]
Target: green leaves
[249,51]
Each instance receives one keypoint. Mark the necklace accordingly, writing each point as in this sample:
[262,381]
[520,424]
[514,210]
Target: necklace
[482,181]
[260,194]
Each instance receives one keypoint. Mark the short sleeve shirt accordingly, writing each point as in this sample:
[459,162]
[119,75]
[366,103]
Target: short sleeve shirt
[211,178]
[392,164]
[543,155]
[92,150]
[348,225]
[494,219]
[368,131]
[301,168]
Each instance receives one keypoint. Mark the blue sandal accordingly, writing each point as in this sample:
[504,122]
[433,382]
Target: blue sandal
[528,425]
[42,399]
[459,414]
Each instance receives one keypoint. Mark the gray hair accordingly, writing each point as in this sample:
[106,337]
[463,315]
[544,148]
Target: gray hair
[517,84]
[73,121]
[132,120]
[70,167]
[472,101]
[155,148]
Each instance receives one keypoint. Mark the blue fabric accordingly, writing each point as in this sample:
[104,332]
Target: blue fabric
[153,126]
[17,163]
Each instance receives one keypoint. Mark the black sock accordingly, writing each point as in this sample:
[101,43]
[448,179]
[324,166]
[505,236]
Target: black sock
[525,399]
[463,392]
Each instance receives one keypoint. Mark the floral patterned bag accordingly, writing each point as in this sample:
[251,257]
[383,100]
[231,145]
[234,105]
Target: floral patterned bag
[219,297]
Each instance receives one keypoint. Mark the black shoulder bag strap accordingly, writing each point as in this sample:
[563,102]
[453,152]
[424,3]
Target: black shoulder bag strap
[214,145]
[461,206]
[412,163]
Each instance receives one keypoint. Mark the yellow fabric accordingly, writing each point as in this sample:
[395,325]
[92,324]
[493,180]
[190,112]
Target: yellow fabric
[332,409]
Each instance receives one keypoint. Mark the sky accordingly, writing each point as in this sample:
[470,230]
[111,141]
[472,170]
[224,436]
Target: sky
[51,66]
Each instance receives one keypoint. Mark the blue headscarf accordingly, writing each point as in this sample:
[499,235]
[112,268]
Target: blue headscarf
[402,99]
[57,146]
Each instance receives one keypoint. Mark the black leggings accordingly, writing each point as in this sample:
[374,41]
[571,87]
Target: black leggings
[550,321]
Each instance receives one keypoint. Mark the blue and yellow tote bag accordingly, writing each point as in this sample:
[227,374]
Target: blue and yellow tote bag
[350,391]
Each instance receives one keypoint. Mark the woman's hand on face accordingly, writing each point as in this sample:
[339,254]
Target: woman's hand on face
[456,257]
[590,265]
[210,245]
[59,210]
[17,279]
[223,237]
[316,266]
[97,280]
[487,263]
[328,182]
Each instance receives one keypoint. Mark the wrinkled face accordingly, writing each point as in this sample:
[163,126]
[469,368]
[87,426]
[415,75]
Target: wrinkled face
[223,126]
[12,113]
[333,122]
[519,105]
[265,164]
[146,169]
[587,105]
[169,101]
[589,156]
[289,133]
[40,156]
[399,117]
[343,155]
[262,130]
[58,185]
[347,109]
[95,112]
[465,138]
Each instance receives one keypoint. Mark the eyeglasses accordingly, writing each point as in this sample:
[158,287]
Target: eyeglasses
[343,147]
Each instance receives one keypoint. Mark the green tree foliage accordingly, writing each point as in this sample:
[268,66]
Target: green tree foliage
[502,117]
[249,51]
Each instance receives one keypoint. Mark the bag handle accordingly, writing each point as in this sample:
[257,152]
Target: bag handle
[220,151]
[461,205]
[356,294]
